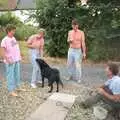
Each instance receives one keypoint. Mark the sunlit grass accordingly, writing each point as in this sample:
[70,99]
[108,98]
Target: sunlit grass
[24,50]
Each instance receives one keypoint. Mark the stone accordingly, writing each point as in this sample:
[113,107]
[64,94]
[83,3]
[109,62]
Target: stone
[100,112]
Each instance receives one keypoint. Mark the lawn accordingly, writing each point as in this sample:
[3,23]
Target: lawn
[24,50]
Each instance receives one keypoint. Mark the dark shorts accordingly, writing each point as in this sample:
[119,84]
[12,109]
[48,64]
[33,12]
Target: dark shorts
[113,104]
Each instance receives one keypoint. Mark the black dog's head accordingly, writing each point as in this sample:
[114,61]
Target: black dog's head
[42,63]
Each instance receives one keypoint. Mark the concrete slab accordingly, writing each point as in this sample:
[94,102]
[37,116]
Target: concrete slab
[67,98]
[54,108]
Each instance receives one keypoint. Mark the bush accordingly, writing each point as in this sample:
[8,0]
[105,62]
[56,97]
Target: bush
[24,31]
[55,17]
[2,34]
[100,21]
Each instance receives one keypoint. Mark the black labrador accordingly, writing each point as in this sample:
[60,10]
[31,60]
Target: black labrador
[52,74]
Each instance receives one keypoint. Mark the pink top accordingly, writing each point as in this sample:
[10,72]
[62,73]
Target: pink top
[76,38]
[36,40]
[12,51]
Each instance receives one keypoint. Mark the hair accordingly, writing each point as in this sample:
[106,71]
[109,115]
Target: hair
[42,30]
[113,68]
[75,22]
[10,27]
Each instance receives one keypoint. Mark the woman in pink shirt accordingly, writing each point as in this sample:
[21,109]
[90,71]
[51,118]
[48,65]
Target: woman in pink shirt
[11,55]
[77,51]
[35,44]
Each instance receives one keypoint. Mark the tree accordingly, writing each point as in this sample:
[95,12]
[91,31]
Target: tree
[100,20]
[22,31]
[5,19]
[104,29]
[55,17]
[8,18]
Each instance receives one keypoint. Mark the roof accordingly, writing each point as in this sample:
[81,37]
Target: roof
[17,4]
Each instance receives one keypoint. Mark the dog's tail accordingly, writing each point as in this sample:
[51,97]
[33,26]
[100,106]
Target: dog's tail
[61,83]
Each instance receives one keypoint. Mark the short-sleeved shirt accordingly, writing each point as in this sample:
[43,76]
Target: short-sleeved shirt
[114,84]
[76,38]
[12,50]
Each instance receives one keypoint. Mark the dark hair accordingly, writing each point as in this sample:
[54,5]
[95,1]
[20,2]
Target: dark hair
[113,68]
[75,22]
[10,27]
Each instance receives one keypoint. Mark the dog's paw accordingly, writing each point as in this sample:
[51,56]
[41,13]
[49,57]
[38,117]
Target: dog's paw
[57,90]
[49,91]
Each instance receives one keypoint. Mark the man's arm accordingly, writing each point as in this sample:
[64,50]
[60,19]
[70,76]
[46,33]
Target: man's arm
[69,39]
[30,45]
[29,42]
[99,86]
[109,96]
[3,52]
[3,55]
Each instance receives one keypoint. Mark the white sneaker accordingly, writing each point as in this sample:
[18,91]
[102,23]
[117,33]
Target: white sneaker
[39,82]
[69,78]
[33,85]
[79,81]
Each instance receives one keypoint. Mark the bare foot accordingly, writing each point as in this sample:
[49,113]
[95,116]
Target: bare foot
[13,94]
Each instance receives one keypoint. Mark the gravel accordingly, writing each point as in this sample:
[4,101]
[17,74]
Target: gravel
[18,108]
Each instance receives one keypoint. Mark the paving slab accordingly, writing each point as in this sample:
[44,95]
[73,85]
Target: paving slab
[54,108]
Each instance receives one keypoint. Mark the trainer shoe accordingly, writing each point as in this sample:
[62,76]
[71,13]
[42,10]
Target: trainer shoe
[33,85]
[79,81]
[69,78]
[39,82]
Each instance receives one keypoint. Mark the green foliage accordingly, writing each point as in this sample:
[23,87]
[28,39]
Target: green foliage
[22,31]
[8,18]
[2,34]
[55,17]
[3,3]
[100,20]
[5,19]
[103,31]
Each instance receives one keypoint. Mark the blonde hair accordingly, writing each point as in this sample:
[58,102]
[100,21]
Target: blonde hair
[41,30]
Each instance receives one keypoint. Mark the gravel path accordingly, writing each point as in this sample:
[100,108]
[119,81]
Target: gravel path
[21,107]
[92,74]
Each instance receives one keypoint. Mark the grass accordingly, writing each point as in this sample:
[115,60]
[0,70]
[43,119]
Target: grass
[24,52]
[23,48]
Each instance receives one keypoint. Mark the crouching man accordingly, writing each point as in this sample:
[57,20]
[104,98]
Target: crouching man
[109,92]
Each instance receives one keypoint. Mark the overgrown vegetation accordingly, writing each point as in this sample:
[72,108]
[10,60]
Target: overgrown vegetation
[100,20]
[22,31]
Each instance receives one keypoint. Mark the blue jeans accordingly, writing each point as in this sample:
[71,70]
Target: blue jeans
[13,76]
[74,63]
[36,73]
